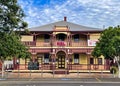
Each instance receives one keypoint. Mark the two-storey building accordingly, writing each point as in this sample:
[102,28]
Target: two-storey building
[63,45]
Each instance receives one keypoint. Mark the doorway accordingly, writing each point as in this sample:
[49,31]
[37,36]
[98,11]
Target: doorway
[61,60]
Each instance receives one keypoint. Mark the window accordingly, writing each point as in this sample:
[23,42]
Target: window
[100,61]
[76,58]
[46,58]
[61,37]
[76,38]
[91,61]
[46,38]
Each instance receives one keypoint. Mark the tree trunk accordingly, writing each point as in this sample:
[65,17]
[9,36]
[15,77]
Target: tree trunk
[117,60]
[3,69]
[119,71]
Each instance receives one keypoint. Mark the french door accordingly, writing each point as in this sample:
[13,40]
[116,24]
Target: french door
[61,61]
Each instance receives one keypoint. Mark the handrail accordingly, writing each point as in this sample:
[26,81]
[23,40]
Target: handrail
[56,44]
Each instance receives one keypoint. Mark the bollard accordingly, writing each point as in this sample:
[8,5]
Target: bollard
[18,73]
[53,73]
[30,73]
[113,74]
[89,72]
[41,72]
[65,73]
[101,74]
[78,73]
[6,73]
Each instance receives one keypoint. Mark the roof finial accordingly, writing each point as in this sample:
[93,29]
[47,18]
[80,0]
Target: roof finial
[65,18]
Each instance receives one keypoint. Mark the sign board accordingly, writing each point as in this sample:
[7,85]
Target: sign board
[26,38]
[92,42]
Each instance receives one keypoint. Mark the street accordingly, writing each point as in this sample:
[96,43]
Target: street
[61,82]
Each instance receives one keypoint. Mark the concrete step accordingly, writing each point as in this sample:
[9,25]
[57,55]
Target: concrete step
[61,71]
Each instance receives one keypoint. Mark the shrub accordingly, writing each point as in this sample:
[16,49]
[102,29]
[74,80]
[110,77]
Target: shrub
[113,69]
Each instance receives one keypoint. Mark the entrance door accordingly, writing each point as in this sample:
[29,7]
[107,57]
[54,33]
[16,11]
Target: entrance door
[61,61]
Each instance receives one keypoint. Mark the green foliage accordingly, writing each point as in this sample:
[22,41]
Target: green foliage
[11,46]
[11,22]
[11,16]
[96,52]
[109,43]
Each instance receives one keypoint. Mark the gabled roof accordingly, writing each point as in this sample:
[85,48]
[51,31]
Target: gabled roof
[71,26]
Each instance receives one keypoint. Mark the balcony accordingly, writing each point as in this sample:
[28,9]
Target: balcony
[43,44]
[37,44]
[79,44]
[55,44]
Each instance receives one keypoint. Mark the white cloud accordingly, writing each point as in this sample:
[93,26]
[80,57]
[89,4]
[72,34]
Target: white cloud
[94,13]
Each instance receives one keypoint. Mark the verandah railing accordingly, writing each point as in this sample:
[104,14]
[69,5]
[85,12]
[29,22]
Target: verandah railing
[56,44]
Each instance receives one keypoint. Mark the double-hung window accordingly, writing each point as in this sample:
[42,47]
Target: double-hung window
[91,61]
[76,38]
[99,61]
[47,38]
[46,58]
[76,58]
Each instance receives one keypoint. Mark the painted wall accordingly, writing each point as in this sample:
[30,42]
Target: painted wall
[96,60]
[83,59]
[40,38]
[81,38]
[94,36]
[22,61]
[61,28]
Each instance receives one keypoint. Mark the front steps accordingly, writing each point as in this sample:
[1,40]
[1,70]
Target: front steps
[60,71]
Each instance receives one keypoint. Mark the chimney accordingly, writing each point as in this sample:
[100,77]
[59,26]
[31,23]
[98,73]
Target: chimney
[65,18]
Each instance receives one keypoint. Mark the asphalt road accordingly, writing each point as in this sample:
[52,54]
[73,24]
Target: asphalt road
[62,84]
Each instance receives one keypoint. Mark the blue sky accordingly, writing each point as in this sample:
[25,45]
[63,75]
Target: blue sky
[92,13]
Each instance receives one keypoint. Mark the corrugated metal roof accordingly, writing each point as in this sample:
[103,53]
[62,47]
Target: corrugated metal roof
[71,26]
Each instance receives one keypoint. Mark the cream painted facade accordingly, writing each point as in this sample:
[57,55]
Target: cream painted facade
[94,36]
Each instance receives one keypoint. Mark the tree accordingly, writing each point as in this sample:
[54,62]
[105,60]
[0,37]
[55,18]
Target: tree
[11,16]
[11,46]
[11,20]
[109,45]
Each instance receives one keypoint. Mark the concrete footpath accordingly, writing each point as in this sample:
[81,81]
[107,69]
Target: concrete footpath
[38,79]
[50,75]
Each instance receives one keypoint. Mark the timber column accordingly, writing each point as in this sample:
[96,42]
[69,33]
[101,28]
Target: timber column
[69,59]
[88,60]
[53,60]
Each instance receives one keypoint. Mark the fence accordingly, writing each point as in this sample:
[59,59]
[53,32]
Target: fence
[52,71]
[68,66]
[34,74]
[48,71]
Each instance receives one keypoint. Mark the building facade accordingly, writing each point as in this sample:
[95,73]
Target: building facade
[63,46]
